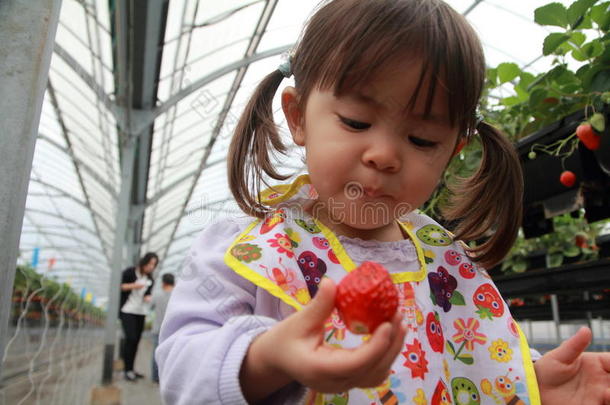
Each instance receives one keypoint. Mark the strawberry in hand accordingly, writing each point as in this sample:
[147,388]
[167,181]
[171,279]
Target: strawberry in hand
[366,298]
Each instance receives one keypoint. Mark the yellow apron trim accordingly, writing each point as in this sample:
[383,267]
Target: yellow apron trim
[286,191]
[251,275]
[337,247]
[412,275]
[528,366]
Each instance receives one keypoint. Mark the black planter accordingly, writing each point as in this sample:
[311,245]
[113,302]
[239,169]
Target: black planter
[545,196]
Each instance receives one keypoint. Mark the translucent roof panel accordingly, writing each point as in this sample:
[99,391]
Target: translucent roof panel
[214,53]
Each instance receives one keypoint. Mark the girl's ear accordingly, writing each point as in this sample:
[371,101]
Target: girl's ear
[293,115]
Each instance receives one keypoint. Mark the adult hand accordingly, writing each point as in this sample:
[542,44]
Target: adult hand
[569,376]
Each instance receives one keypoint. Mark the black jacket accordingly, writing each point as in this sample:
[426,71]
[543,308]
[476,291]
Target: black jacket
[129,276]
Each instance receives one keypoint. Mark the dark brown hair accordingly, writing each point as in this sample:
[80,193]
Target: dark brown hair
[147,258]
[344,44]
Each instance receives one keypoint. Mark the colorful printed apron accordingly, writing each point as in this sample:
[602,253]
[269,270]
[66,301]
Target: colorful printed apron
[462,345]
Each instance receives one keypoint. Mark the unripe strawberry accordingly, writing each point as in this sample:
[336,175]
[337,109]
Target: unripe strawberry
[567,178]
[588,137]
[366,297]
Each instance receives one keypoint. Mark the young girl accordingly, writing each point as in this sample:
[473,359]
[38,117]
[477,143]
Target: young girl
[386,93]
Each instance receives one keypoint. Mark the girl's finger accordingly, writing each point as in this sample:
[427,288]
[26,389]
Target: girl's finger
[350,363]
[605,361]
[607,396]
[382,367]
[569,350]
[315,314]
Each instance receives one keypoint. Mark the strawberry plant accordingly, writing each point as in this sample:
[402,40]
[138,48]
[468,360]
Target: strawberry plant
[520,103]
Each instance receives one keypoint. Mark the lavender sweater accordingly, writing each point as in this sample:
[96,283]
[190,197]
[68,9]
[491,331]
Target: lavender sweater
[214,314]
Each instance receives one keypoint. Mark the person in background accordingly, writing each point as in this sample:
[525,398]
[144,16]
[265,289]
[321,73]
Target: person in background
[159,304]
[136,288]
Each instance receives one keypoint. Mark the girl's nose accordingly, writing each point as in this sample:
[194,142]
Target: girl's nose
[382,155]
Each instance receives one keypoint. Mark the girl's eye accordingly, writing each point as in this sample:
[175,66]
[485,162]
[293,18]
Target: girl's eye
[422,143]
[355,124]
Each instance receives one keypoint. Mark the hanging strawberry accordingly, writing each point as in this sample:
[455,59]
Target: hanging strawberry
[567,178]
[581,240]
[588,137]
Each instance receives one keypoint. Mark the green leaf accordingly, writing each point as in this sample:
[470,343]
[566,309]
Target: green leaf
[506,264]
[555,259]
[553,41]
[571,251]
[577,11]
[525,79]
[601,81]
[492,76]
[600,14]
[577,38]
[520,266]
[508,71]
[552,14]
[466,358]
[588,51]
[537,96]
[598,122]
[433,298]
[457,299]
[450,347]
[522,94]
[510,101]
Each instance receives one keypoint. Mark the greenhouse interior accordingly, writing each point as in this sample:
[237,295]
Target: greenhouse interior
[117,120]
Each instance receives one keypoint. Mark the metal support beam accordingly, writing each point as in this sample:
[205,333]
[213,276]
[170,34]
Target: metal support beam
[193,87]
[255,41]
[471,7]
[118,258]
[28,29]
[556,320]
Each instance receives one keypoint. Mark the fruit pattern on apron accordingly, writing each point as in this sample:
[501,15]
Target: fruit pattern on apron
[462,346]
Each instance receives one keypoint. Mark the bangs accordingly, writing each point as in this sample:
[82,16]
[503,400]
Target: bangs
[367,36]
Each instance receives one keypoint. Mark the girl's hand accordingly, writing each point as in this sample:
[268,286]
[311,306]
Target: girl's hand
[568,376]
[294,349]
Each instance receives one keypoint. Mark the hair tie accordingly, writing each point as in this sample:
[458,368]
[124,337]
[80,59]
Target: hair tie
[286,69]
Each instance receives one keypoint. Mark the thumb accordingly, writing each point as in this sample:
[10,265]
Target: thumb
[321,306]
[569,350]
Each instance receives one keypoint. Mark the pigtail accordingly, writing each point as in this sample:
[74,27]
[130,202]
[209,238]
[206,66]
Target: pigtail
[255,140]
[488,205]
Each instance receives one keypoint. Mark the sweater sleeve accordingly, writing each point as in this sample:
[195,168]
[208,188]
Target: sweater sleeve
[208,326]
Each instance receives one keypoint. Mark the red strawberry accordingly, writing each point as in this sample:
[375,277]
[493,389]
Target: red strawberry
[581,240]
[567,178]
[588,137]
[366,298]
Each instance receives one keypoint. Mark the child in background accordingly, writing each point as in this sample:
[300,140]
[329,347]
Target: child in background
[386,93]
[159,306]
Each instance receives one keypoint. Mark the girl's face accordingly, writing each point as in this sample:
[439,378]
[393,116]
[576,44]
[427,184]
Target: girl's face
[370,159]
